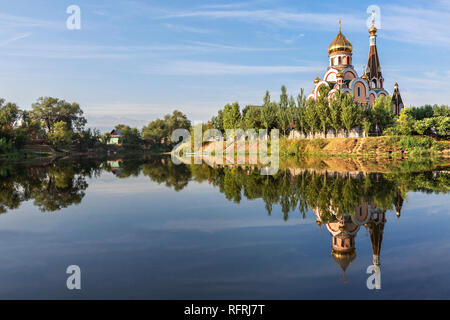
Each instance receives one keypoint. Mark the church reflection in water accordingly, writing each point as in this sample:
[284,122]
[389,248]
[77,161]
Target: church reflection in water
[344,228]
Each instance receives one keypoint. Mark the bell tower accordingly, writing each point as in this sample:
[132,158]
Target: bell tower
[373,70]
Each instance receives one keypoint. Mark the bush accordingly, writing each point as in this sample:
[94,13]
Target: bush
[414,143]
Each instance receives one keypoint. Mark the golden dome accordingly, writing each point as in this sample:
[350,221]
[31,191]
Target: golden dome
[365,77]
[373,30]
[317,80]
[340,74]
[340,43]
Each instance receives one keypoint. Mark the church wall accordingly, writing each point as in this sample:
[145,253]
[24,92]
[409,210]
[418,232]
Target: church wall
[363,94]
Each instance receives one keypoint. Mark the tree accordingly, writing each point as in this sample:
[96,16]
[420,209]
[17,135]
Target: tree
[283,97]
[405,123]
[177,120]
[350,113]
[217,121]
[9,115]
[300,112]
[383,115]
[130,137]
[335,111]
[156,131]
[311,123]
[266,99]
[61,135]
[231,116]
[323,110]
[50,111]
[269,115]
[292,110]
[443,125]
[283,118]
[252,118]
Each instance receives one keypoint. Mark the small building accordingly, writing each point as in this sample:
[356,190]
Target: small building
[115,137]
[115,166]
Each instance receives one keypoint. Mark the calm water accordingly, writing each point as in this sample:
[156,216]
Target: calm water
[151,229]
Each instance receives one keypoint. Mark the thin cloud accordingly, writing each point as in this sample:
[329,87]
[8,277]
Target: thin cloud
[12,21]
[216,68]
[181,28]
[16,38]
[399,23]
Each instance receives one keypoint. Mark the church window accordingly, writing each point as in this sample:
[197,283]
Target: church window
[359,91]
[340,60]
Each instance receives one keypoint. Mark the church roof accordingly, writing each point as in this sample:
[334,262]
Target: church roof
[344,260]
[340,43]
[396,97]
[373,64]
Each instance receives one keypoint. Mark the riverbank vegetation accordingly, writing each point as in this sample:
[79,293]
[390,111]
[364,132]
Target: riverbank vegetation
[59,126]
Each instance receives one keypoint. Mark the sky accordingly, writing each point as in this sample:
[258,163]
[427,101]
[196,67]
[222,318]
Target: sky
[134,61]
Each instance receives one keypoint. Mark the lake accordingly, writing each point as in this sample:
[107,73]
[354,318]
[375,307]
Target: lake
[149,229]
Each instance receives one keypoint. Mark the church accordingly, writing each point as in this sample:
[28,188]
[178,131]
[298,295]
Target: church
[342,76]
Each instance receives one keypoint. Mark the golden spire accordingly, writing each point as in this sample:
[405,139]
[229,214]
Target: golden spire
[340,22]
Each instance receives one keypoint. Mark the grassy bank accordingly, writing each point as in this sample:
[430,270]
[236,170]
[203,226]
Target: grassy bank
[395,146]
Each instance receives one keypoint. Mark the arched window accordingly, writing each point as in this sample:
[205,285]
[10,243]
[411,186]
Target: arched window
[374,83]
[340,60]
[359,91]
[332,62]
[348,60]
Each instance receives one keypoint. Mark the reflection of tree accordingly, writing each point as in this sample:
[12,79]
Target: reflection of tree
[52,186]
[59,189]
[60,184]
[173,176]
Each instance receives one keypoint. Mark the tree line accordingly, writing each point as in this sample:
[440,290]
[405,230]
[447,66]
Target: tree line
[51,120]
[324,114]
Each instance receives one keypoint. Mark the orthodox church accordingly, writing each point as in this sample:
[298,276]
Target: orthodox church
[342,76]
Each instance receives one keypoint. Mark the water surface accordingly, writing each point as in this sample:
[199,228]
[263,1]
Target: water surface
[146,228]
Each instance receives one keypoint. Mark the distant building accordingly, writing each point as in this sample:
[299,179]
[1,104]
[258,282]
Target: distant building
[115,137]
[341,75]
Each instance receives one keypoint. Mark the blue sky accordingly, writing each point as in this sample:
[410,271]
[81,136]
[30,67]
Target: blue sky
[134,61]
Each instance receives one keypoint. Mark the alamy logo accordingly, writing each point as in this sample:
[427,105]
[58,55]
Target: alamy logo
[74,280]
[374,280]
[74,20]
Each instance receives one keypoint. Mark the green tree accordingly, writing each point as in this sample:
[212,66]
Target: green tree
[266,100]
[50,111]
[323,109]
[217,121]
[269,115]
[405,123]
[283,97]
[311,117]
[383,114]
[130,137]
[300,112]
[9,115]
[350,113]
[176,120]
[231,116]
[252,118]
[335,111]
[156,131]
[61,135]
